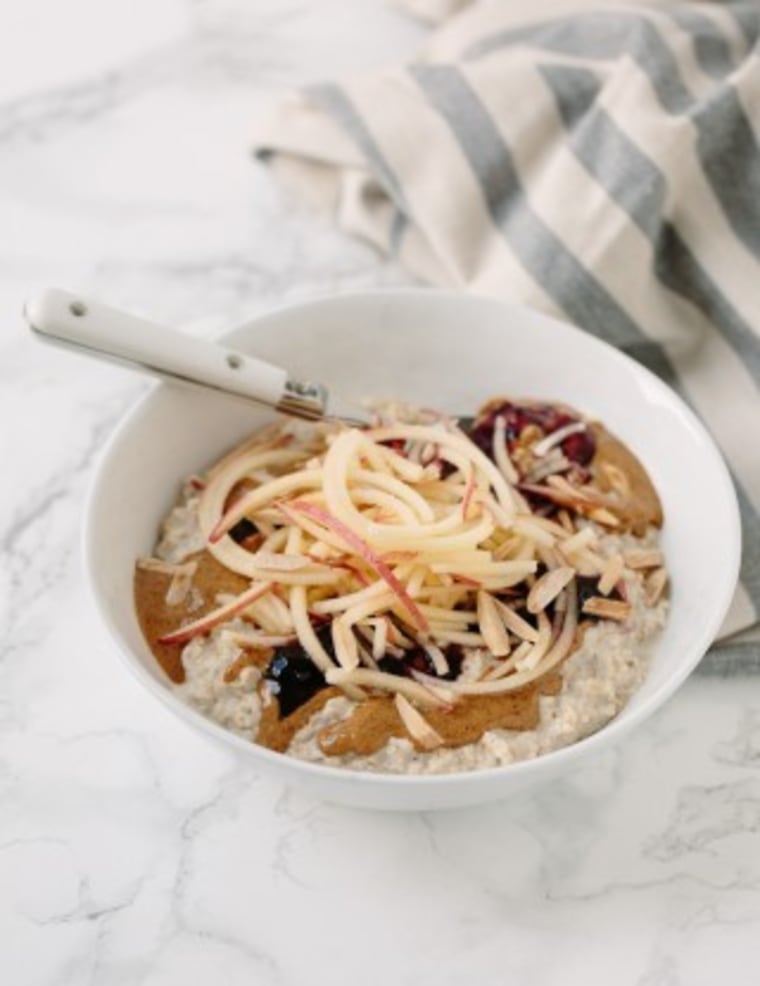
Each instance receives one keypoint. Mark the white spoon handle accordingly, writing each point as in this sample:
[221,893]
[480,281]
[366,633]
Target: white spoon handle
[89,326]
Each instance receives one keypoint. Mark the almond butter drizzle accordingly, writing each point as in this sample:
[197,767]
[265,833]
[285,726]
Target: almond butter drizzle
[156,617]
[374,721]
[641,507]
[276,733]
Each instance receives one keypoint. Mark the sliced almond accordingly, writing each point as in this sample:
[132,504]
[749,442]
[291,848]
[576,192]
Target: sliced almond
[603,516]
[581,539]
[539,648]
[434,652]
[643,558]
[416,725]
[160,566]
[566,520]
[504,667]
[181,584]
[492,626]
[589,562]
[610,574]
[528,528]
[655,586]
[514,622]
[561,484]
[548,587]
[617,479]
[380,639]
[607,609]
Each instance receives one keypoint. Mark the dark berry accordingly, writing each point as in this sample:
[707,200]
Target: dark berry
[517,418]
[393,665]
[243,529]
[293,677]
[580,447]
[418,660]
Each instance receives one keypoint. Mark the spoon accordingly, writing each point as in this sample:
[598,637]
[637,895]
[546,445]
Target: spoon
[94,329]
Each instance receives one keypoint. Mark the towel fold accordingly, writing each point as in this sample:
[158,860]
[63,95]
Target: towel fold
[598,163]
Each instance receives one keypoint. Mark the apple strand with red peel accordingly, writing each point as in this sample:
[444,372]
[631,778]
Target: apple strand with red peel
[206,623]
[360,546]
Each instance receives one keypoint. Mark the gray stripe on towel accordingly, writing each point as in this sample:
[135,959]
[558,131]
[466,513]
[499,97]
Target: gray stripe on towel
[727,660]
[545,257]
[336,104]
[640,188]
[586,301]
[711,49]
[719,119]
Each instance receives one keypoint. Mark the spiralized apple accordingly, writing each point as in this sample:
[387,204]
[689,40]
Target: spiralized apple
[401,536]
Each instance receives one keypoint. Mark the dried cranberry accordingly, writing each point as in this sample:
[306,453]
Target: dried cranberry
[580,447]
[517,418]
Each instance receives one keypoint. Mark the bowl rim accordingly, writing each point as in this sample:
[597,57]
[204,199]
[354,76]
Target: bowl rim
[611,732]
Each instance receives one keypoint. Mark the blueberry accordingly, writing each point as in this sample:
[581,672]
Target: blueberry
[243,529]
[293,677]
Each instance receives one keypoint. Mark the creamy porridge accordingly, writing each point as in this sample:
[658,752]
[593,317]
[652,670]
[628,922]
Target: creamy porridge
[412,598]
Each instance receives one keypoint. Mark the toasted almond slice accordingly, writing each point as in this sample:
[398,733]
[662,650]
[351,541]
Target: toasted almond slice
[566,520]
[181,583]
[581,539]
[561,484]
[589,562]
[436,655]
[492,626]
[603,516]
[504,667]
[346,646]
[548,587]
[539,648]
[416,725]
[380,639]
[656,584]
[607,609]
[643,558]
[514,622]
[160,566]
[610,574]
[526,526]
[617,479]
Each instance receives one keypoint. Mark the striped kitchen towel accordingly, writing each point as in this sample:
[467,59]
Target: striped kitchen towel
[599,163]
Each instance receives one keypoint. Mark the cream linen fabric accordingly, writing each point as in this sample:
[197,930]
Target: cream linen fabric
[599,162]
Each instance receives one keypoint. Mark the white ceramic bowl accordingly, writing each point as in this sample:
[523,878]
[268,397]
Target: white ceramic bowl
[449,351]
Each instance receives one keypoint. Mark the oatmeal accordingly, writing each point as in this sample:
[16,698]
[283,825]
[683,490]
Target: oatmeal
[413,597]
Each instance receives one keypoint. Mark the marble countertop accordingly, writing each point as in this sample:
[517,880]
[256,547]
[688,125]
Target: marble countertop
[131,851]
